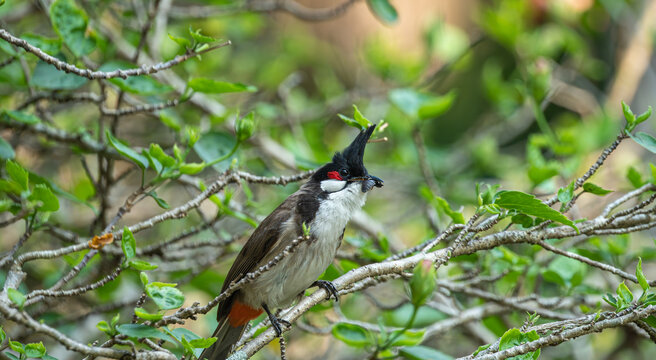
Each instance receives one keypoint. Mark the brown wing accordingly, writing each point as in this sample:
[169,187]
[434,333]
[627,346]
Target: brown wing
[264,239]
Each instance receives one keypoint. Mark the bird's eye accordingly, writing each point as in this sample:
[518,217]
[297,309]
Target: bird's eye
[344,172]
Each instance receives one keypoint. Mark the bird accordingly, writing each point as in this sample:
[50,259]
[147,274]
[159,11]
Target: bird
[317,213]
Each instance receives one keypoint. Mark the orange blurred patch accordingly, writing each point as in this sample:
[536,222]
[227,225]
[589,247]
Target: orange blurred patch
[99,241]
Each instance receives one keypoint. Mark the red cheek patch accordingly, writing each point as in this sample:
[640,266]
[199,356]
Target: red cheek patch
[334,175]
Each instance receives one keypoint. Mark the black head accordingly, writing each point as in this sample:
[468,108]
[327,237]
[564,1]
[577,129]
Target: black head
[348,166]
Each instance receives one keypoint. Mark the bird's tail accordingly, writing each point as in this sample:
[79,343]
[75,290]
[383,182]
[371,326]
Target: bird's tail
[226,337]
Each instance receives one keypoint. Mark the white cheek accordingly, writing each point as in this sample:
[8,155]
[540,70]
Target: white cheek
[332,185]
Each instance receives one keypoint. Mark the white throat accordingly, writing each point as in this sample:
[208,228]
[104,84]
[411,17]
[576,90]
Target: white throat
[332,185]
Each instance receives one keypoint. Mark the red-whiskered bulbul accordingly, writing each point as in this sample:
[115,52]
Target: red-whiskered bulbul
[324,204]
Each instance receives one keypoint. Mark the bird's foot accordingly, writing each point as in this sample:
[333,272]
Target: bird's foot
[329,287]
[276,322]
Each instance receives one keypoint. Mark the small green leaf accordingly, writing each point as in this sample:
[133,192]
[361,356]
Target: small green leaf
[436,106]
[161,202]
[202,343]
[624,293]
[115,320]
[46,76]
[128,244]
[383,10]
[443,206]
[360,119]
[645,140]
[141,265]
[523,220]
[51,46]
[156,152]
[142,331]
[70,22]
[200,38]
[144,278]
[170,119]
[183,42]
[23,117]
[19,175]
[140,85]
[595,189]
[104,327]
[515,337]
[644,116]
[42,193]
[6,151]
[420,352]
[209,86]
[350,122]
[142,313]
[529,205]
[3,335]
[566,193]
[351,334]
[192,168]
[17,347]
[35,350]
[644,284]
[166,296]
[16,297]
[127,151]
[408,338]
[628,114]
[634,177]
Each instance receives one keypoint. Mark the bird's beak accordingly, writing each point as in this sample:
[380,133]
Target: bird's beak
[368,182]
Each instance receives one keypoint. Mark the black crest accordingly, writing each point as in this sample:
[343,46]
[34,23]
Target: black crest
[351,157]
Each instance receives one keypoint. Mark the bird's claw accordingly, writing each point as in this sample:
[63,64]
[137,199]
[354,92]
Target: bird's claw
[278,324]
[329,287]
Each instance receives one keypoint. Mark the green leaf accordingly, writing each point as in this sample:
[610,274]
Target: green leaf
[529,205]
[595,189]
[566,193]
[353,335]
[46,76]
[420,352]
[383,10]
[141,265]
[127,151]
[128,244]
[166,296]
[523,220]
[565,272]
[209,86]
[19,175]
[645,140]
[624,293]
[200,38]
[42,193]
[161,202]
[142,313]
[35,350]
[628,114]
[192,168]
[436,106]
[350,122]
[183,42]
[115,320]
[6,151]
[142,331]
[514,337]
[169,119]
[103,326]
[70,22]
[141,85]
[644,116]
[51,46]
[644,284]
[360,119]
[144,278]
[17,347]
[3,335]
[202,343]
[444,207]
[538,174]
[215,145]
[16,297]
[156,151]
[634,177]
[23,117]
[10,356]
[408,338]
